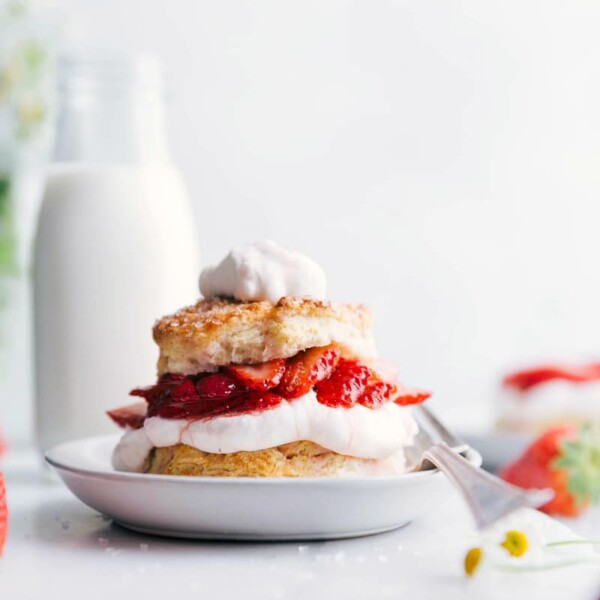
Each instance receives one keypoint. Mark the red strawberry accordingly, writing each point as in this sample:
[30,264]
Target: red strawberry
[258,377]
[250,401]
[377,394]
[129,417]
[566,460]
[345,385]
[407,397]
[524,380]
[184,392]
[306,369]
[169,387]
[218,385]
[3,513]
[3,445]
[161,389]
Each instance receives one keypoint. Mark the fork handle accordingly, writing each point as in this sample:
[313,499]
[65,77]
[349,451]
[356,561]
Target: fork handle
[487,496]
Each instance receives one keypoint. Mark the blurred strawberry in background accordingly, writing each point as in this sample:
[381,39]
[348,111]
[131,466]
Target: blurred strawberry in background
[3,444]
[3,514]
[547,395]
[3,510]
[529,378]
[567,460]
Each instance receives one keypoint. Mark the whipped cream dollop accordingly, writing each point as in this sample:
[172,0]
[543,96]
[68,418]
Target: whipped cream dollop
[358,431]
[263,271]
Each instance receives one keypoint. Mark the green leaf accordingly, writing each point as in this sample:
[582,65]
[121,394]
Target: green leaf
[8,238]
[580,459]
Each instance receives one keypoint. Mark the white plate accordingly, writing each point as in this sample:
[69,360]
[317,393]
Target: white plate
[245,508]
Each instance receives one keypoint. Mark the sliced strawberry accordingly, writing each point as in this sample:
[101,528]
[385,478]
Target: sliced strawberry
[3,514]
[163,387]
[184,392]
[170,387]
[345,385]
[407,397]
[306,369]
[194,397]
[129,417]
[218,385]
[529,378]
[377,394]
[258,377]
[250,401]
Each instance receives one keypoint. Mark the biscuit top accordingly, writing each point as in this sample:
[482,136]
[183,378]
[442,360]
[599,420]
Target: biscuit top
[218,331]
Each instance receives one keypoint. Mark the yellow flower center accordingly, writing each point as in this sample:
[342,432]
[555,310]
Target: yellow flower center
[515,543]
[472,560]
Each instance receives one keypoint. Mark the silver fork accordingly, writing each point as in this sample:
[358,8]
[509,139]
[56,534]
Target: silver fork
[487,496]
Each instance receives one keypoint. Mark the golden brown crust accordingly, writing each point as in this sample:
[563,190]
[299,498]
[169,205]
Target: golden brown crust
[297,459]
[220,331]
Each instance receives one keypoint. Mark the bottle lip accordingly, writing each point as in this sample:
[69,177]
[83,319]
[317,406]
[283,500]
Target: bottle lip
[84,71]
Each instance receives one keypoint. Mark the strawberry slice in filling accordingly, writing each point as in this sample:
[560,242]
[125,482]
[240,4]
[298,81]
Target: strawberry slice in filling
[236,389]
[129,417]
[306,369]
[259,377]
[345,385]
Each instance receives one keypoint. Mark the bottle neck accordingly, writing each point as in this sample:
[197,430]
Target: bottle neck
[111,111]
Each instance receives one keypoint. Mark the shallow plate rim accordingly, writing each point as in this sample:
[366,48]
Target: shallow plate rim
[472,455]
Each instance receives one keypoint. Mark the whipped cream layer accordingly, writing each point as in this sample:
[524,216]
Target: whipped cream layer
[548,403]
[358,431]
[264,271]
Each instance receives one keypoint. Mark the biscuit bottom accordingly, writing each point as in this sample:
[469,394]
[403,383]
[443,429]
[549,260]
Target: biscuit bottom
[297,459]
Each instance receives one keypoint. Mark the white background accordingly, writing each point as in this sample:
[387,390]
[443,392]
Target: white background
[440,159]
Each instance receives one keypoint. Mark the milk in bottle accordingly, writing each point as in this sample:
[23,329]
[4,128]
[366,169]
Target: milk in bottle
[116,247]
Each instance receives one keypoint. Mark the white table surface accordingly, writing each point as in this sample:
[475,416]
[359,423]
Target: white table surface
[58,548]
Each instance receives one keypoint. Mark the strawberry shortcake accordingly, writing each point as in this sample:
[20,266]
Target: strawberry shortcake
[539,397]
[264,377]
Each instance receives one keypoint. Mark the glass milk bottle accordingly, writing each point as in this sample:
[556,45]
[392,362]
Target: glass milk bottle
[116,247]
